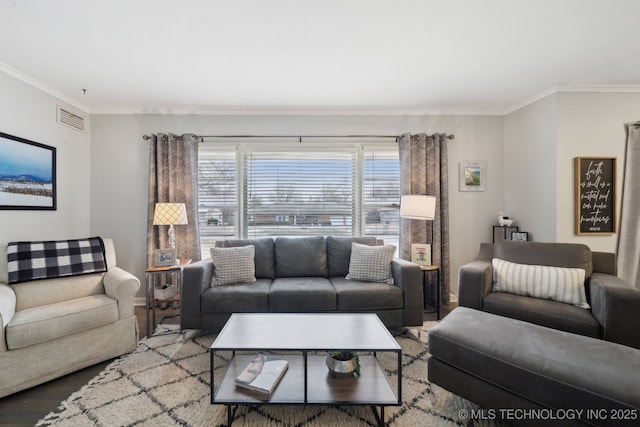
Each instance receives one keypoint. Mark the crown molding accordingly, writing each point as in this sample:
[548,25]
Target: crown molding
[43,87]
[573,89]
[306,110]
[601,89]
[294,111]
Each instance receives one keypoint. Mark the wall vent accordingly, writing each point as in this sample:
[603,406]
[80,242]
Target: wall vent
[70,119]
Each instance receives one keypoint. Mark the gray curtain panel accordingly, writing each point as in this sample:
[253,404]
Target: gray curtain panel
[629,233]
[173,178]
[424,170]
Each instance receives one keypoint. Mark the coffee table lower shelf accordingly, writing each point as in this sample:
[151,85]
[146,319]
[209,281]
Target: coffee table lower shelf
[316,386]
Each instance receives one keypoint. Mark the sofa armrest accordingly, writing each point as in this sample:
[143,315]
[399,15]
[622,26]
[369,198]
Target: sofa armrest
[121,286]
[615,305]
[7,310]
[408,277]
[196,278]
[475,280]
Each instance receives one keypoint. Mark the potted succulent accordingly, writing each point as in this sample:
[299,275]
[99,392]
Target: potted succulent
[343,363]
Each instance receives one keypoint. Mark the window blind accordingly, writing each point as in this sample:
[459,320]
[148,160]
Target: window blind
[300,193]
[381,195]
[217,196]
[249,191]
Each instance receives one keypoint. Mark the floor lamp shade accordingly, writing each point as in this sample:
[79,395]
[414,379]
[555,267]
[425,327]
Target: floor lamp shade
[418,206]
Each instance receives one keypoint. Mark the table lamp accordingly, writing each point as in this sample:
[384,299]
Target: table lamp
[170,214]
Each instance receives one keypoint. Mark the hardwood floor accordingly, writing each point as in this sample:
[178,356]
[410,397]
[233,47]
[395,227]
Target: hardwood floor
[27,407]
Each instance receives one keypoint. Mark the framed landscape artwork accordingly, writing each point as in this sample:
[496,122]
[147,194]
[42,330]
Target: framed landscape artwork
[472,176]
[27,174]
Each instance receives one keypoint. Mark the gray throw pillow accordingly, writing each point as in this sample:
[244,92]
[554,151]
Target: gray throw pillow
[233,265]
[265,254]
[371,263]
[339,252]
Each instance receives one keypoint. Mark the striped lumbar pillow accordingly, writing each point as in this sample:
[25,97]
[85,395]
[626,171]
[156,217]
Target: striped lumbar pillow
[540,281]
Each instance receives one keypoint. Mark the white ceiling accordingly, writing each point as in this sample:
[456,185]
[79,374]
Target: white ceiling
[322,56]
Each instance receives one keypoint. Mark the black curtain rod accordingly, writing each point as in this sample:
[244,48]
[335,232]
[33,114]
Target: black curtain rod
[300,137]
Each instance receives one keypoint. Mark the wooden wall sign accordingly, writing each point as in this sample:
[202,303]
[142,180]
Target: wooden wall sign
[595,195]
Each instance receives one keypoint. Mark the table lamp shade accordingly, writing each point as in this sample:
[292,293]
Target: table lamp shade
[170,214]
[418,206]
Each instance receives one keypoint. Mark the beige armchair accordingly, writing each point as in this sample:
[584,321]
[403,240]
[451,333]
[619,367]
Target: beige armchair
[51,327]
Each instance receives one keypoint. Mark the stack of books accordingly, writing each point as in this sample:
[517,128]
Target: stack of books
[263,374]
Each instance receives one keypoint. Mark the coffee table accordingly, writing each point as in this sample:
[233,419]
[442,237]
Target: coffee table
[303,340]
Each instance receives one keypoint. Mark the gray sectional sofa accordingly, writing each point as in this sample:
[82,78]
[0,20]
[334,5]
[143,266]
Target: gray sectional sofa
[303,274]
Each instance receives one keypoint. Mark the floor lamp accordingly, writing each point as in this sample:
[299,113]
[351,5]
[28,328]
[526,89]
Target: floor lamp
[419,206]
[423,207]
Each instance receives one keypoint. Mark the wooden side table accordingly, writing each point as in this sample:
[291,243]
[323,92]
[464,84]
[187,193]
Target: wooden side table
[150,297]
[429,269]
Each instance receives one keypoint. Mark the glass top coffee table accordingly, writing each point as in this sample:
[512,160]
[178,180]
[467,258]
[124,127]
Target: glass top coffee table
[299,338]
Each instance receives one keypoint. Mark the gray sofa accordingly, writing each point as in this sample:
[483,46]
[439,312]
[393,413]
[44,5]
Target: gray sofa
[304,274]
[507,351]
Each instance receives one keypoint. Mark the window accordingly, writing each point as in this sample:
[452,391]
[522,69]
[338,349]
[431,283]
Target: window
[346,189]
[299,194]
[217,196]
[381,195]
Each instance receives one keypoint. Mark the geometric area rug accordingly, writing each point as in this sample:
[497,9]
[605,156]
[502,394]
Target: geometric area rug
[165,382]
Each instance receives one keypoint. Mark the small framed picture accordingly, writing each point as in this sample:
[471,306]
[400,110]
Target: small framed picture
[164,257]
[472,176]
[519,236]
[421,254]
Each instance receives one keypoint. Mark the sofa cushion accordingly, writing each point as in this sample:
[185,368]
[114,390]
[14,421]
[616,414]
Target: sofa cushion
[552,314]
[264,255]
[339,253]
[371,263]
[552,368]
[238,298]
[301,257]
[302,294]
[49,322]
[540,281]
[356,295]
[49,291]
[233,265]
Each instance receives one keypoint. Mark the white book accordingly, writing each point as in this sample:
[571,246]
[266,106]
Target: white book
[263,374]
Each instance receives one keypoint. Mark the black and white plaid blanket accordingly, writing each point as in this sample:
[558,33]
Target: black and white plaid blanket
[43,260]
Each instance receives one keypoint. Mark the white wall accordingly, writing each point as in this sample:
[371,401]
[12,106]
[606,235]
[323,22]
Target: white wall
[29,113]
[530,169]
[590,124]
[120,163]
[102,174]
[541,142]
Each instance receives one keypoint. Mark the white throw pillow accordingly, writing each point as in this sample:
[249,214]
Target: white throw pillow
[540,281]
[233,265]
[371,263]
